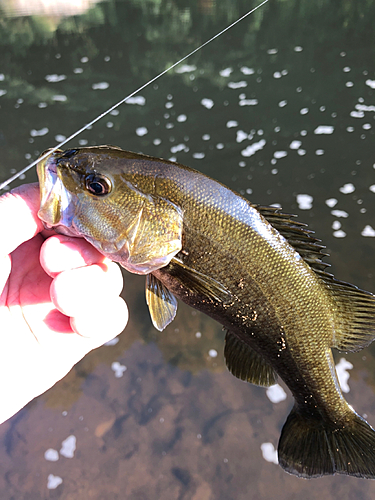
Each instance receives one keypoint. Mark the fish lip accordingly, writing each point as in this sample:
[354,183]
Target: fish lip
[56,209]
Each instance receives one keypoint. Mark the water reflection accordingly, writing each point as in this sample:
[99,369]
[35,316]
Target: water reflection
[281,110]
[46,8]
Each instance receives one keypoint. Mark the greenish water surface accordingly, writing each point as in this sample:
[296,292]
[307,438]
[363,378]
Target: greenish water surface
[281,109]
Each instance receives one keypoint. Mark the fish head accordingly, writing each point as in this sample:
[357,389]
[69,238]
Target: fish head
[108,197]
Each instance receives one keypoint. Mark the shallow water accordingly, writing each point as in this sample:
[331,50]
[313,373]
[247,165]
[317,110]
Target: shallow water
[280,109]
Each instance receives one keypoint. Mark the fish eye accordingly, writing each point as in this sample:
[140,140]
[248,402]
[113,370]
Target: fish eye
[98,185]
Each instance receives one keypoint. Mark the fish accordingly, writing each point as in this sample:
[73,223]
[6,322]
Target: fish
[257,271]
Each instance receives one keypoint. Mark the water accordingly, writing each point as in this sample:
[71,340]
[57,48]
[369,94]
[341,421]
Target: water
[280,109]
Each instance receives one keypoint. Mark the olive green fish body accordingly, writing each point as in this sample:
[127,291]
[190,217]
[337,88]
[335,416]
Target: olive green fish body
[253,269]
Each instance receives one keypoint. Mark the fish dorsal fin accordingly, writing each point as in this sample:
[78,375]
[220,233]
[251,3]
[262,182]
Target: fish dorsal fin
[355,315]
[162,304]
[297,234]
[246,364]
[355,308]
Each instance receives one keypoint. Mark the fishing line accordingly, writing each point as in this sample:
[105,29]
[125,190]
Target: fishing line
[21,172]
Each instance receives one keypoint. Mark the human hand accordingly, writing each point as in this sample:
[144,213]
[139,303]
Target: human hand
[59,299]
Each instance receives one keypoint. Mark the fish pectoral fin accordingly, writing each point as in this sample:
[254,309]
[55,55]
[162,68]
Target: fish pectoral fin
[246,364]
[199,283]
[310,446]
[162,304]
[355,315]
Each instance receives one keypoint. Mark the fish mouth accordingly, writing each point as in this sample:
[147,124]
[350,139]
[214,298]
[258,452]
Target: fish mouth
[56,207]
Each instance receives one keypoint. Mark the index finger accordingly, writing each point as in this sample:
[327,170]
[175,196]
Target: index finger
[19,220]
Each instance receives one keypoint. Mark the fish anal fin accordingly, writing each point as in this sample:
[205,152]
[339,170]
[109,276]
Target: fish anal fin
[310,446]
[162,304]
[246,364]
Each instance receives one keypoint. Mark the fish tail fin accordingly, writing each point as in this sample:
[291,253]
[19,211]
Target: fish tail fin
[310,446]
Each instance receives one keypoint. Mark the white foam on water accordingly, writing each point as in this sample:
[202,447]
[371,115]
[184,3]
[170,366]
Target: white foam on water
[199,155]
[364,107]
[304,201]
[185,68]
[212,353]
[331,202]
[55,78]
[370,83]
[51,455]
[232,123]
[178,147]
[60,138]
[53,481]
[343,375]
[339,234]
[181,118]
[207,103]
[295,144]
[324,129]
[269,453]
[237,85]
[100,86]
[141,131]
[140,100]
[253,148]
[68,447]
[340,213]
[37,133]
[247,71]
[241,136]
[226,72]
[248,102]
[118,369]
[357,114]
[59,98]
[347,188]
[368,231]
[276,393]
[280,154]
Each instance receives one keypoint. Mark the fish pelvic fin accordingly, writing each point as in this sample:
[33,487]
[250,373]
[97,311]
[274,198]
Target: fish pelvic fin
[246,364]
[310,446]
[162,304]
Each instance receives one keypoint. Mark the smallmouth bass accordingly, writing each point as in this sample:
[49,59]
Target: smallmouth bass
[253,269]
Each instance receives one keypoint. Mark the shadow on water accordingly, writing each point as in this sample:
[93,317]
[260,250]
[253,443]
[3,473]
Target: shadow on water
[281,109]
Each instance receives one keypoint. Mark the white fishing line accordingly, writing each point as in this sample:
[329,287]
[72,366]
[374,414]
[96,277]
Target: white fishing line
[18,174]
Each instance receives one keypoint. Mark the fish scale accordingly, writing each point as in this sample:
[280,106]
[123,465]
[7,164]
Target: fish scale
[255,270]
